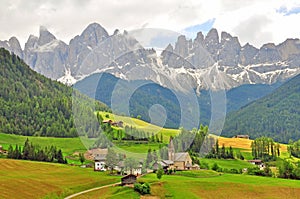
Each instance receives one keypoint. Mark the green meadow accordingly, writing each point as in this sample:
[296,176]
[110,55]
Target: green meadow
[47,180]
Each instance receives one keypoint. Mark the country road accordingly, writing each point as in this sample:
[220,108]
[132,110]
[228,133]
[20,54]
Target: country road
[93,189]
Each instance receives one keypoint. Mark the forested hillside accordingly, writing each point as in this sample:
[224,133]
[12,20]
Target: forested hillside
[31,104]
[276,115]
[101,86]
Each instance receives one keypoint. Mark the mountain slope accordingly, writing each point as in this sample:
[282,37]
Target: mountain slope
[109,89]
[276,115]
[103,88]
[32,104]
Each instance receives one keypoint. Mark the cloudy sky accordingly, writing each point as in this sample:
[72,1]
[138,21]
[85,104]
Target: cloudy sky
[253,21]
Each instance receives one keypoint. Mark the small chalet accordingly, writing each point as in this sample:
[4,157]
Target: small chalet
[242,136]
[129,179]
[112,123]
[117,124]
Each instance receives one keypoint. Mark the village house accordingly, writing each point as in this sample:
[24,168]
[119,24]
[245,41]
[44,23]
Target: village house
[99,157]
[242,136]
[121,168]
[112,123]
[100,160]
[129,179]
[258,163]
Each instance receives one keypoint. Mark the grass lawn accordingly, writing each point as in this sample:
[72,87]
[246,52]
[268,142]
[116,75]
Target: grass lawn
[138,148]
[68,145]
[117,192]
[221,186]
[26,179]
[227,163]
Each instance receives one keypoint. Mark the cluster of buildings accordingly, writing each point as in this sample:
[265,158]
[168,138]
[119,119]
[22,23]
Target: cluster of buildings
[178,161]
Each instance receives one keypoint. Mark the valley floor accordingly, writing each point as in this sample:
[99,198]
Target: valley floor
[26,179]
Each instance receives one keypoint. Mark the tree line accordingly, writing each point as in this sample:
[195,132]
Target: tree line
[265,148]
[220,153]
[294,148]
[36,153]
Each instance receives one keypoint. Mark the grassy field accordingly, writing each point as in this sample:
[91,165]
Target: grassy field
[222,186]
[228,164]
[117,192]
[68,145]
[242,143]
[142,125]
[26,179]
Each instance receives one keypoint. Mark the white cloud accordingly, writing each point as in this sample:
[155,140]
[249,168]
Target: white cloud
[253,21]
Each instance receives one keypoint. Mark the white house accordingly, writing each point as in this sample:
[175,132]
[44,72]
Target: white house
[100,162]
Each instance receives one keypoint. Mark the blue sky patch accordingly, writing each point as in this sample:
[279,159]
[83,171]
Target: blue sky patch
[286,12]
[192,31]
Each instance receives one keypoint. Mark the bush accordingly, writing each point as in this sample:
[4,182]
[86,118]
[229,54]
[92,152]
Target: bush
[215,167]
[219,169]
[142,188]
[159,173]
[204,165]
[255,171]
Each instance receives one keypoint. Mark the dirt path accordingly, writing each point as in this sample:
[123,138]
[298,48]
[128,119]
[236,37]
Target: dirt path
[93,189]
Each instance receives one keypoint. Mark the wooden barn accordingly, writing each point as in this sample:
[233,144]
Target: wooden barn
[129,179]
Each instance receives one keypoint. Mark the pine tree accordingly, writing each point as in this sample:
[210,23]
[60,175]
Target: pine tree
[26,150]
[10,152]
[81,158]
[154,155]
[223,152]
[60,158]
[149,158]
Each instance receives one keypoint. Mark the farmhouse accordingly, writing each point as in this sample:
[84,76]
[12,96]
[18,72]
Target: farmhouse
[258,163]
[121,168]
[242,136]
[112,123]
[129,179]
[117,124]
[100,162]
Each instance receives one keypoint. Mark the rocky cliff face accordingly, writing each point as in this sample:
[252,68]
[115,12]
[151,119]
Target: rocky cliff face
[210,61]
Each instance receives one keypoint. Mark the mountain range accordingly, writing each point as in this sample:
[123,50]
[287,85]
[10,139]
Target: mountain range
[207,62]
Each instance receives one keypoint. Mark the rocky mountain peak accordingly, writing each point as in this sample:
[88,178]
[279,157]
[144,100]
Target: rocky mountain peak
[45,36]
[212,36]
[268,46]
[199,39]
[181,46]
[211,43]
[15,45]
[169,48]
[31,42]
[94,33]
[229,50]
[289,47]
